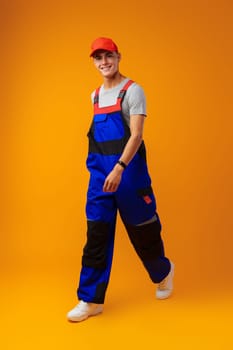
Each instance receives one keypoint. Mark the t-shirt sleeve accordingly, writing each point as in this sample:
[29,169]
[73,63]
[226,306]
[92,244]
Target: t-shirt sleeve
[92,96]
[136,100]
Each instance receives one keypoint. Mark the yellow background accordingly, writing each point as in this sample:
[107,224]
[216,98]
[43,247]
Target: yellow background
[181,53]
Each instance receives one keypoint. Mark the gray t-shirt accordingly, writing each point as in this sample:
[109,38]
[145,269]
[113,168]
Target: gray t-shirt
[133,103]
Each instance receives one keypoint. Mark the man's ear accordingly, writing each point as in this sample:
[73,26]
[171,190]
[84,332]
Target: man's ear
[119,56]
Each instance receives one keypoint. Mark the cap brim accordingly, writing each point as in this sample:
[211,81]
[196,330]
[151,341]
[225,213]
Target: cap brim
[101,49]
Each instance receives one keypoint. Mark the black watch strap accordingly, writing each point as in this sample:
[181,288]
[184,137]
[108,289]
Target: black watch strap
[122,164]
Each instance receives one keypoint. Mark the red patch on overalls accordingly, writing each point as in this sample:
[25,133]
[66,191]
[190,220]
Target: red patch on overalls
[147,199]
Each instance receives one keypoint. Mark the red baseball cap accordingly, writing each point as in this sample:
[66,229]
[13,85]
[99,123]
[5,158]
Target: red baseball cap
[103,44]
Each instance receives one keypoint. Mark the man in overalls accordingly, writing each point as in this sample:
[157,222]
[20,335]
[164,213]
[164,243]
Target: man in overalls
[119,182]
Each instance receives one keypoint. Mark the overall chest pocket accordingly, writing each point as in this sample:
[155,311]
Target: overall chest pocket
[108,127]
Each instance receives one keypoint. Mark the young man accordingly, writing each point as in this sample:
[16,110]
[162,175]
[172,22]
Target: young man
[119,182]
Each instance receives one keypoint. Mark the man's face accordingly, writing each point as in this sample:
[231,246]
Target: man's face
[107,62]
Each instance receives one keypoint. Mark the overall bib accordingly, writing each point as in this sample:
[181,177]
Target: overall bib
[134,199]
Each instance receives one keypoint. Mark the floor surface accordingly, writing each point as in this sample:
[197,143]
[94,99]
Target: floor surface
[34,307]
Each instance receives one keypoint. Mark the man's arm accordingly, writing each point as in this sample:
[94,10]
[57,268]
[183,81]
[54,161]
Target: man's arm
[113,179]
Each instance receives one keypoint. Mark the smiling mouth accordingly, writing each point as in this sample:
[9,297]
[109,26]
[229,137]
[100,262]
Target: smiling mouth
[105,68]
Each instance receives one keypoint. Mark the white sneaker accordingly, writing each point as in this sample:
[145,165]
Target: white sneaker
[165,287]
[83,310]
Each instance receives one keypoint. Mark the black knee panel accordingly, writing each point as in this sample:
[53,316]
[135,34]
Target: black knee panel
[95,250]
[146,240]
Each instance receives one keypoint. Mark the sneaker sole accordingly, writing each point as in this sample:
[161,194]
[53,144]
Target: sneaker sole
[83,318]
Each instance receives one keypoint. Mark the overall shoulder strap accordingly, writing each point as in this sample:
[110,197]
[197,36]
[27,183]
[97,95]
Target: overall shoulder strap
[124,89]
[117,106]
[122,93]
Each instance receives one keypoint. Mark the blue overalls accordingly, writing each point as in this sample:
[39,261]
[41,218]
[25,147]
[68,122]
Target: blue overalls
[134,199]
